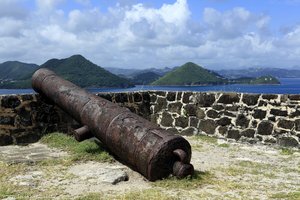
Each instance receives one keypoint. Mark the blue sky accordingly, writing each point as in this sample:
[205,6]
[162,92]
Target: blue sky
[150,33]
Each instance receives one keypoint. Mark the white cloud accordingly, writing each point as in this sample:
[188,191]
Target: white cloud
[141,36]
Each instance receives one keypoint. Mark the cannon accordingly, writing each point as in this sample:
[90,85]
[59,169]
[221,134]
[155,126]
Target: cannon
[138,143]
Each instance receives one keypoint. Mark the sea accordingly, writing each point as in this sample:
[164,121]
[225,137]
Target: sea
[287,86]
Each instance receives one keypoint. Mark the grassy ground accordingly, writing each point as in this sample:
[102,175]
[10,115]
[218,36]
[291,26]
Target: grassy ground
[223,171]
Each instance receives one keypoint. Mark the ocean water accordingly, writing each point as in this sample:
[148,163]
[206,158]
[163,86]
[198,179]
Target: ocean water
[287,86]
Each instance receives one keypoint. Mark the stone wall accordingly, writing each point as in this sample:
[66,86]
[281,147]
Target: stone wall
[243,117]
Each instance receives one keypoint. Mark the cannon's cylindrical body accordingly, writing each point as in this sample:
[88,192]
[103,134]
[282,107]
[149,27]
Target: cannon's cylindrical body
[137,142]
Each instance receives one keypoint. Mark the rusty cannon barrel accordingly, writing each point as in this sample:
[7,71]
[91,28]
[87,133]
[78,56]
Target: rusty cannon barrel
[142,145]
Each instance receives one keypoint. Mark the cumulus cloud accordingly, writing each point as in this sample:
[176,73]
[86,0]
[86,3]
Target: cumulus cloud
[140,36]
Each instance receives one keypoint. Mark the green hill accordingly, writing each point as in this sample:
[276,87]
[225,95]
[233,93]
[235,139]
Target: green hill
[14,70]
[78,70]
[145,78]
[190,74]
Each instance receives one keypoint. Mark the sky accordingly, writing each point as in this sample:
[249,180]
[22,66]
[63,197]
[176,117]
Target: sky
[216,34]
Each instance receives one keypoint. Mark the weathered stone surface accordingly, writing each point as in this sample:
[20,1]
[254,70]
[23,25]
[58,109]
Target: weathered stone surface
[270,140]
[254,124]
[200,114]
[191,109]
[223,130]
[295,114]
[137,97]
[286,124]
[26,97]
[205,100]
[262,103]
[121,97]
[288,141]
[5,139]
[146,97]
[284,98]
[171,96]
[7,120]
[212,114]
[250,99]
[189,131]
[179,96]
[233,108]
[175,107]
[272,118]
[10,101]
[161,104]
[186,97]
[234,134]
[153,98]
[224,121]
[173,130]
[167,119]
[208,126]
[242,121]
[160,93]
[277,112]
[24,117]
[194,122]
[229,98]
[105,96]
[249,133]
[259,114]
[229,114]
[218,107]
[269,96]
[294,97]
[182,122]
[98,173]
[265,128]
[297,125]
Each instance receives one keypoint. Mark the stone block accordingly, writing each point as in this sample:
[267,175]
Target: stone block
[161,104]
[7,120]
[218,107]
[234,134]
[269,96]
[242,121]
[171,96]
[297,125]
[137,97]
[212,114]
[259,114]
[186,97]
[229,98]
[182,122]
[175,107]
[278,112]
[194,122]
[179,96]
[153,98]
[265,128]
[205,100]
[10,102]
[121,98]
[229,114]
[208,126]
[105,96]
[167,119]
[5,139]
[224,121]
[295,114]
[161,93]
[146,96]
[27,97]
[223,130]
[189,131]
[288,141]
[25,118]
[249,133]
[191,109]
[250,99]
[173,130]
[294,97]
[232,108]
[286,124]
[262,103]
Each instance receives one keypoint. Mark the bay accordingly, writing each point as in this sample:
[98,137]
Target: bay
[287,86]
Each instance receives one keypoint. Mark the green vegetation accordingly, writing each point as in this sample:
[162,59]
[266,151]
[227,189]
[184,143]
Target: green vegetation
[14,70]
[256,81]
[149,194]
[190,74]
[145,78]
[76,69]
[289,196]
[86,150]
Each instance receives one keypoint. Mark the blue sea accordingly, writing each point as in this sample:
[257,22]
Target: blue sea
[287,86]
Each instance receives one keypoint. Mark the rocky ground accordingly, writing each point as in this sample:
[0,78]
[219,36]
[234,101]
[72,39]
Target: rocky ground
[224,170]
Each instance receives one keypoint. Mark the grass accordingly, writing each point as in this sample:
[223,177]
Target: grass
[149,194]
[288,196]
[206,139]
[190,182]
[224,145]
[86,150]
[287,151]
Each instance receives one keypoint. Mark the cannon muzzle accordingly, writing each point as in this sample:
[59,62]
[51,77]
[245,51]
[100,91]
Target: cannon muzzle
[142,145]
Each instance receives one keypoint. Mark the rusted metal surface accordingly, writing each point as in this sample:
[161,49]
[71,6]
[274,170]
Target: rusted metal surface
[142,145]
